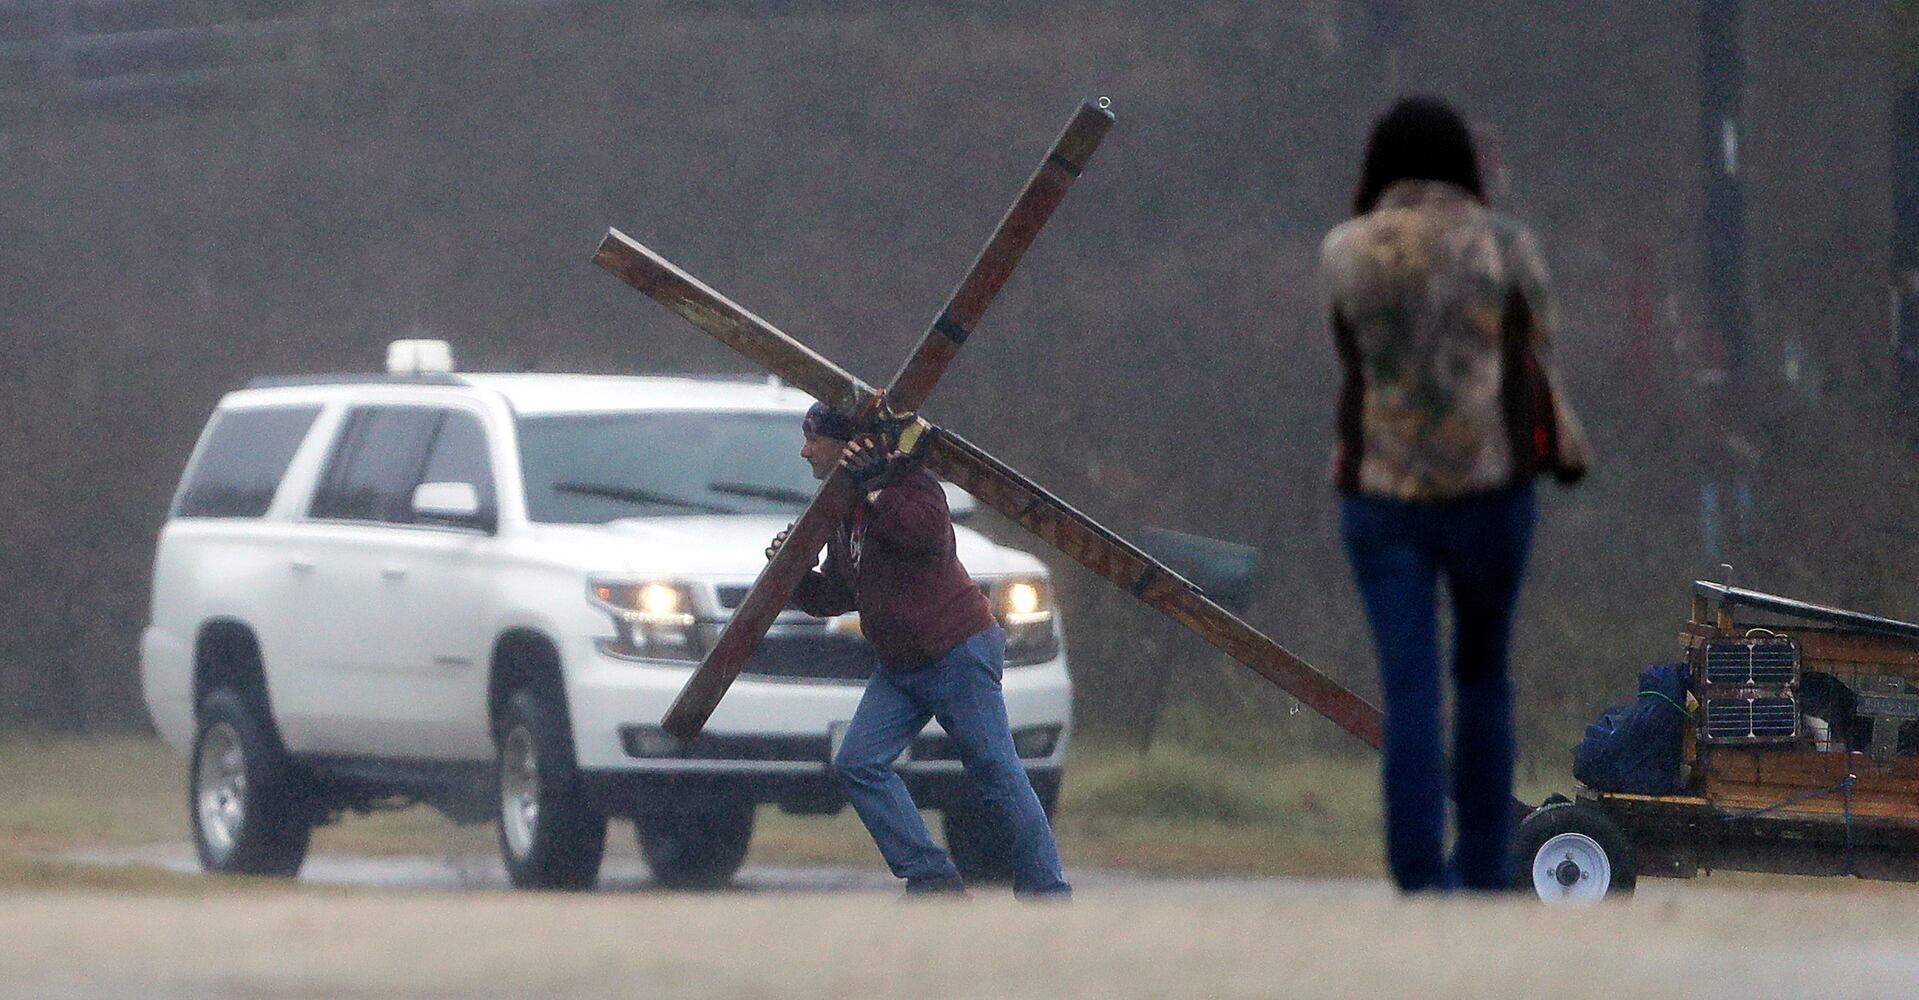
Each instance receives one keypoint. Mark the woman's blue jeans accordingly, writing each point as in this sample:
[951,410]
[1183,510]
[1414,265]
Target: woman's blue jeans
[1399,551]
[962,691]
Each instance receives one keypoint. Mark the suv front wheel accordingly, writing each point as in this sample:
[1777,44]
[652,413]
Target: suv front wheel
[249,816]
[550,838]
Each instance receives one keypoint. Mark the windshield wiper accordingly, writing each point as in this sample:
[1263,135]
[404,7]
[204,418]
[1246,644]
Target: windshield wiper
[781,493]
[637,495]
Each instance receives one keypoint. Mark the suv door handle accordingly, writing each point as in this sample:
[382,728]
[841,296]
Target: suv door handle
[301,564]
[393,571]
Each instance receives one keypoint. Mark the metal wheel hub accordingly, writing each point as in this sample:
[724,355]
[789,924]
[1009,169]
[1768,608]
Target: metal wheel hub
[1571,868]
[519,791]
[1568,874]
[220,788]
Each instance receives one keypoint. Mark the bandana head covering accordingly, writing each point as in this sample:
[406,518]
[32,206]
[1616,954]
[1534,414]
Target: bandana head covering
[824,421]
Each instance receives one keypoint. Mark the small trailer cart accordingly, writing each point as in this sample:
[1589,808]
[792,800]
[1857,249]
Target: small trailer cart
[1800,755]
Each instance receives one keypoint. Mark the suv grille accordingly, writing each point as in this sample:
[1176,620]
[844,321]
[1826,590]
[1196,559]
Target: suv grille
[1757,663]
[816,657]
[732,595]
[1751,719]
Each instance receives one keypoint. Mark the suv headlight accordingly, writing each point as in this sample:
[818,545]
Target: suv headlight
[1024,607]
[652,620]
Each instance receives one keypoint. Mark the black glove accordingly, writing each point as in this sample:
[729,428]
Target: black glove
[874,463]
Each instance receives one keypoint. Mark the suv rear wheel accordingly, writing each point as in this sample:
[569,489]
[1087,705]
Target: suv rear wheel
[698,848]
[247,804]
[980,843]
[550,838]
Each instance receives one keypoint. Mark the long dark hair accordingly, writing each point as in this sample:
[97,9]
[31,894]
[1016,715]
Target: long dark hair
[1420,138]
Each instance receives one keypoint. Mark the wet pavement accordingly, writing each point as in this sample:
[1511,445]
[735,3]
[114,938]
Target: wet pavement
[827,933]
[480,872]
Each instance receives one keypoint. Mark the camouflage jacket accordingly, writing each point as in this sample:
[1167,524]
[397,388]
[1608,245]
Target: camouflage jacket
[1442,315]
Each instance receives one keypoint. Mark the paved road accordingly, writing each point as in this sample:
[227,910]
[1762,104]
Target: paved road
[464,872]
[832,933]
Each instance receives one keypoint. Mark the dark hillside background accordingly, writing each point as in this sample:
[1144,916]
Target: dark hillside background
[446,170]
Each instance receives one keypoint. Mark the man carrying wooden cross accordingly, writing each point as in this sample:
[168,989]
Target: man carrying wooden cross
[941,654]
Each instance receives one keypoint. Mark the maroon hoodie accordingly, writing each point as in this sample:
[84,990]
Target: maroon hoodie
[893,560]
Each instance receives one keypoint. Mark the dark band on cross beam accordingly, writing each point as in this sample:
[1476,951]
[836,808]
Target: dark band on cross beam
[950,328]
[1146,577]
[1064,164]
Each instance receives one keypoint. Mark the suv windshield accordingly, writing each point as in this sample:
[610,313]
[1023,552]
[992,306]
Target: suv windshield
[590,468]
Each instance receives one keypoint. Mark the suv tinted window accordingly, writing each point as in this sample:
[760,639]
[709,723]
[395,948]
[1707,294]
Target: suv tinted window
[246,454]
[591,468]
[375,464]
[459,456]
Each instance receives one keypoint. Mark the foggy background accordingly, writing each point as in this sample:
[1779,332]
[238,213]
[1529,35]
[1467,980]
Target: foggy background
[196,193]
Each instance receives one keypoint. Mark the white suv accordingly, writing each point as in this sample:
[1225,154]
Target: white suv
[482,592]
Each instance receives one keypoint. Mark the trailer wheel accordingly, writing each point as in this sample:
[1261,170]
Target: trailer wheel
[1568,852]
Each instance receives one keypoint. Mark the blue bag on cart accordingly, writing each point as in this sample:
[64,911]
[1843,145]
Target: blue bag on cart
[1636,747]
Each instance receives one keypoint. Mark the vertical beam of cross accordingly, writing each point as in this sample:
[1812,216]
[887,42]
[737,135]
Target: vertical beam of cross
[997,485]
[908,391]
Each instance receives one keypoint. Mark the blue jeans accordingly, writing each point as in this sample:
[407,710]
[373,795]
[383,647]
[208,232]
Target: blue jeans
[962,691]
[1399,550]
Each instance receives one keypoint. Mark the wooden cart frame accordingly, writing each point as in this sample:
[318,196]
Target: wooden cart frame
[1789,807]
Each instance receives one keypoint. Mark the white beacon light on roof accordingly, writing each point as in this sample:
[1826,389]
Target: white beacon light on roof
[413,357]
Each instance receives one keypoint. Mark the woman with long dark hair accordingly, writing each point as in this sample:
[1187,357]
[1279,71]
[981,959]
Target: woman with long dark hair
[1449,408]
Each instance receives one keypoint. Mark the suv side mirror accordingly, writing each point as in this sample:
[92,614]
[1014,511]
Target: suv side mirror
[959,503]
[453,504]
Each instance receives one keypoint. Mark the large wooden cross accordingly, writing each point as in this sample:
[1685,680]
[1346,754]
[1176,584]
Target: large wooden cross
[996,484]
